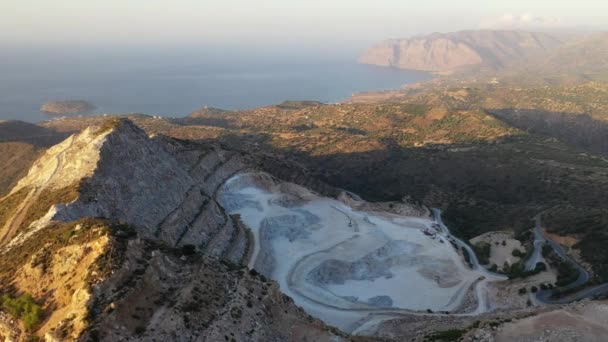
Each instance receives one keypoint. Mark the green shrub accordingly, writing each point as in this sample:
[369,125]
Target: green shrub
[540,267]
[23,308]
[448,335]
[517,253]
[518,270]
[482,249]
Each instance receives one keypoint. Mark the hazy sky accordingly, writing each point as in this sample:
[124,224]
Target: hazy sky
[273,23]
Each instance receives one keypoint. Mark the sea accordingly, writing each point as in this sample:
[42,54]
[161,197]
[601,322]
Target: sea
[170,86]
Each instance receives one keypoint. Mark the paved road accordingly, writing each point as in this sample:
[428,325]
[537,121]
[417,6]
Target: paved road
[472,256]
[539,240]
[480,290]
[544,296]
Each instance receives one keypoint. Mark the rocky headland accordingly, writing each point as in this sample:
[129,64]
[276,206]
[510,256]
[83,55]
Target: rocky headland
[67,107]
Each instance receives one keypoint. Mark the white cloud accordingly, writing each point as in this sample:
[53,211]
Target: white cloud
[520,21]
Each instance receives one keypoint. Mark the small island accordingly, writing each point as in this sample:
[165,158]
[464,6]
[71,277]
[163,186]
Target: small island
[67,107]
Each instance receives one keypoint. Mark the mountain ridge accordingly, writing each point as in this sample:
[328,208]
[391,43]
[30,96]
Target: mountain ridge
[140,221]
[457,50]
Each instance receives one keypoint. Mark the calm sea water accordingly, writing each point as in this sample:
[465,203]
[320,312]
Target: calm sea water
[177,87]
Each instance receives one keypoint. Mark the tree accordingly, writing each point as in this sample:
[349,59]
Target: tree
[540,267]
[483,249]
[517,253]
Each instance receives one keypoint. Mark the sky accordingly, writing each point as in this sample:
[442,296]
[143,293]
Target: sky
[273,24]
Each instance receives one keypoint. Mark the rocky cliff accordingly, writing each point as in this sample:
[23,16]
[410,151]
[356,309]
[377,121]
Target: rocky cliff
[116,235]
[457,50]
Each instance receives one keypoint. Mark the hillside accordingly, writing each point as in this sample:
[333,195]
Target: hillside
[116,235]
[66,271]
[457,50]
[445,148]
[189,211]
[579,60]
[20,144]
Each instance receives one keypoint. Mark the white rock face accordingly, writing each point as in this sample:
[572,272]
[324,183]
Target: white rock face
[345,265]
[162,188]
[66,163]
[136,180]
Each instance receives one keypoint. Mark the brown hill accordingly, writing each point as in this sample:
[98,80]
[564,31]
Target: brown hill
[20,144]
[451,51]
[180,275]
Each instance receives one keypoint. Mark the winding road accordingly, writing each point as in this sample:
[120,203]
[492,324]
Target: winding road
[539,240]
[482,295]
[544,296]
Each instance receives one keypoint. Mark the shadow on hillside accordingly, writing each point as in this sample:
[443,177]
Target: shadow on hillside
[481,186]
[580,130]
[23,132]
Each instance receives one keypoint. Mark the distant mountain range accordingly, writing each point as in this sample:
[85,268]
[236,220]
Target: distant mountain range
[464,49]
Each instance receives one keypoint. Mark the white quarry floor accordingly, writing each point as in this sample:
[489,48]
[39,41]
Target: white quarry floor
[342,265]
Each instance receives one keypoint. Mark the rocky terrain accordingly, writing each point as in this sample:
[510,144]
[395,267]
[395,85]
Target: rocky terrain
[114,235]
[342,263]
[157,234]
[457,50]
[20,144]
[125,236]
[66,107]
[499,176]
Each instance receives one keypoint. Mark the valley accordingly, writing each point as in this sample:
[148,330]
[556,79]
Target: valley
[354,265]
[467,208]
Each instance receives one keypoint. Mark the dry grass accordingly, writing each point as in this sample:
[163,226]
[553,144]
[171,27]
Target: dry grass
[46,199]
[15,158]
[9,204]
